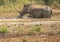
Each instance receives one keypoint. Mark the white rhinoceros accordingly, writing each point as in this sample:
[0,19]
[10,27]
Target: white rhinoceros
[36,11]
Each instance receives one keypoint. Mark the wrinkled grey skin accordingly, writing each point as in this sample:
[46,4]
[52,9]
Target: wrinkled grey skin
[36,13]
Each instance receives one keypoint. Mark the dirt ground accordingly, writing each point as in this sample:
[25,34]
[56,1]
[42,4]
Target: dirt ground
[50,31]
[33,38]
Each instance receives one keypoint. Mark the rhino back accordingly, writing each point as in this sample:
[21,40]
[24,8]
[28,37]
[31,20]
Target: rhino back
[36,6]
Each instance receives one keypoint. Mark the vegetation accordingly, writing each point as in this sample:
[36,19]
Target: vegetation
[20,30]
[4,30]
[10,6]
[22,2]
[24,40]
[36,29]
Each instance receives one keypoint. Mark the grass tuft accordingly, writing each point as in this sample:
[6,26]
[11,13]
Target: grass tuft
[4,30]
[36,29]
[24,40]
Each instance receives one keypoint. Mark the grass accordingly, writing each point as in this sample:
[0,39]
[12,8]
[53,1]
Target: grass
[24,40]
[20,30]
[10,9]
[4,30]
[36,29]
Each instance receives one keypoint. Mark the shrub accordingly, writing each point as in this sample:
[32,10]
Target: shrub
[3,30]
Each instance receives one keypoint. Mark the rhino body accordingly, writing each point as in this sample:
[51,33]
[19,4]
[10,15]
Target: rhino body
[36,11]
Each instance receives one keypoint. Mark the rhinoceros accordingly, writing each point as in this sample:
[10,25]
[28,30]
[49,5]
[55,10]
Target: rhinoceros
[36,11]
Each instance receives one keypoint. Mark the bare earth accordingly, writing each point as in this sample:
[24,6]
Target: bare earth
[50,31]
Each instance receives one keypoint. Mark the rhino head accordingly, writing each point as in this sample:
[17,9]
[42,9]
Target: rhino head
[25,10]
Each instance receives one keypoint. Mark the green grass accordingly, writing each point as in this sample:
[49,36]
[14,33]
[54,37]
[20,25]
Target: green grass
[36,29]
[4,30]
